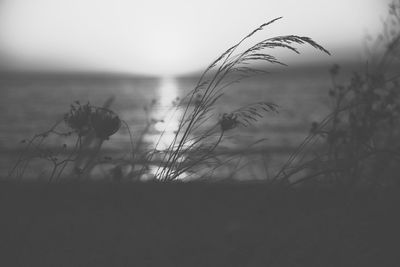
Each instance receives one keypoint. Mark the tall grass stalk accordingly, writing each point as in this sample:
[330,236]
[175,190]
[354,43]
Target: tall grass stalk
[190,148]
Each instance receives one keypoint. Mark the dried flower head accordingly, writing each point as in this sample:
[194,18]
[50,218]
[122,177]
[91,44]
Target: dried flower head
[228,121]
[78,118]
[105,123]
[85,118]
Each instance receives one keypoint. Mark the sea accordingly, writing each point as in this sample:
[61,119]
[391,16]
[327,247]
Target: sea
[30,103]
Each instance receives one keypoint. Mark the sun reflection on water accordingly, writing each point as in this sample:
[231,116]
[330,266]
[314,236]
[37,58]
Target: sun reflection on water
[166,113]
[168,116]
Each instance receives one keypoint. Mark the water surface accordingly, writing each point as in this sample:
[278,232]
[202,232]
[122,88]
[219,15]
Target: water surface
[30,104]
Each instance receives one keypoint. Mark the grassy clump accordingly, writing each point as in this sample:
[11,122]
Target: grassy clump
[359,140]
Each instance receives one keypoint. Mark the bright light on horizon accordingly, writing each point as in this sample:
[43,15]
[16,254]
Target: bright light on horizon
[167,37]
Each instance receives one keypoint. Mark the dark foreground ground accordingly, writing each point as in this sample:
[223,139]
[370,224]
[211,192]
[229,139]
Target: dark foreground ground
[196,225]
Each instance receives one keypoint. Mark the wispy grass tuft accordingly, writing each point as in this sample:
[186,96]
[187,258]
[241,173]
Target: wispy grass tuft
[229,68]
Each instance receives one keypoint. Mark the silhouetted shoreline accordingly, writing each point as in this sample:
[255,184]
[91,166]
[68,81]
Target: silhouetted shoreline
[196,224]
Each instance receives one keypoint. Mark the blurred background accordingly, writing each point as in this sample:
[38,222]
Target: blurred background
[54,52]
[169,37]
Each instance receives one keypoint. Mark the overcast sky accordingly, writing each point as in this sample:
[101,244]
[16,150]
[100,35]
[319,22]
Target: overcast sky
[170,36]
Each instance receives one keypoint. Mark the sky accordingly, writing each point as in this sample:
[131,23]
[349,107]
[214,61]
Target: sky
[168,37]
